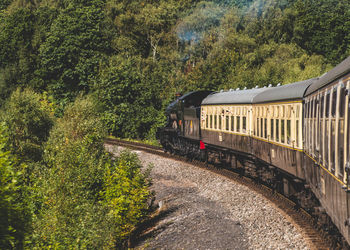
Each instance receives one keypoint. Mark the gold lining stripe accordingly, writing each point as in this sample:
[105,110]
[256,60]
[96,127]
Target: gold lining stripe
[325,169]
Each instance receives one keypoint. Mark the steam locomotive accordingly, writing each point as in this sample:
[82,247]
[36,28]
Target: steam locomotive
[295,137]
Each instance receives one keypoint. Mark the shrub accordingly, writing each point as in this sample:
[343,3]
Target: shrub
[88,200]
[28,118]
[126,194]
[72,215]
[14,215]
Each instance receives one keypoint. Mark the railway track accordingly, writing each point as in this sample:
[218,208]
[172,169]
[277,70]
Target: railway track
[315,237]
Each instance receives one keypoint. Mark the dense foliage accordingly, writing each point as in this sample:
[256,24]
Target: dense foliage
[72,71]
[58,186]
[14,212]
[28,118]
[137,54]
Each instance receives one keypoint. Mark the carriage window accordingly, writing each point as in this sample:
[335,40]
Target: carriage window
[215,121]
[341,147]
[211,121]
[322,105]
[257,126]
[282,131]
[327,104]
[334,102]
[244,124]
[342,101]
[238,123]
[265,128]
[288,132]
[220,121]
[297,133]
[261,127]
[227,122]
[271,126]
[277,130]
[306,112]
[311,108]
[232,123]
[206,121]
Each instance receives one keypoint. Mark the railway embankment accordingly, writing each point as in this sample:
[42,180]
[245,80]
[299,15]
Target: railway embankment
[201,210]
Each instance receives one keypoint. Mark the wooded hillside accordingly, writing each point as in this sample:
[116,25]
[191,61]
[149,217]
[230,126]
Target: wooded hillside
[135,55]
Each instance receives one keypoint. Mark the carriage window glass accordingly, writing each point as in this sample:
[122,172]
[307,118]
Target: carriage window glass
[327,105]
[315,107]
[261,127]
[244,124]
[341,147]
[282,131]
[232,123]
[238,123]
[277,130]
[220,121]
[215,121]
[312,108]
[297,133]
[257,126]
[334,102]
[265,128]
[227,122]
[306,111]
[342,97]
[322,105]
[206,121]
[271,127]
[288,132]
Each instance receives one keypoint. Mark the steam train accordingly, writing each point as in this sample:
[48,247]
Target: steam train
[295,137]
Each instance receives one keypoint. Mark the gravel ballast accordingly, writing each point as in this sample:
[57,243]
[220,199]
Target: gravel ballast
[208,211]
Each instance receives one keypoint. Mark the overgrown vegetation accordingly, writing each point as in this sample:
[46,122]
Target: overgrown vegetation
[72,194]
[72,71]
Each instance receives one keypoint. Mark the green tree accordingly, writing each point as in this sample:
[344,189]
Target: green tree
[130,95]
[126,193]
[14,216]
[322,27]
[71,215]
[73,50]
[28,118]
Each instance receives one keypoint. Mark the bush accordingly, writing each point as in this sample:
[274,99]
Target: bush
[28,118]
[14,217]
[126,194]
[88,200]
[72,215]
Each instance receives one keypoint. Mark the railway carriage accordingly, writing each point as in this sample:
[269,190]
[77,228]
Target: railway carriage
[326,143]
[295,137]
[277,137]
[227,120]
